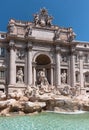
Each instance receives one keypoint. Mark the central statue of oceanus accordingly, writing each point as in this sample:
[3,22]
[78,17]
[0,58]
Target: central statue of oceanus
[42,78]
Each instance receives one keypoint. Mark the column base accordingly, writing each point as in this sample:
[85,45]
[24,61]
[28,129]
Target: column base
[58,86]
[11,85]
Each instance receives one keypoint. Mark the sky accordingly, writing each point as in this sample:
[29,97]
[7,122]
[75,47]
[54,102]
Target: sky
[66,13]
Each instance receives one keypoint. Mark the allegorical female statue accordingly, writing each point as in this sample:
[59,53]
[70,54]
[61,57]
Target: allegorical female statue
[63,77]
[20,76]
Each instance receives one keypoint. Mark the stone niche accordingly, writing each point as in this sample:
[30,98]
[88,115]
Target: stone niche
[19,74]
[64,76]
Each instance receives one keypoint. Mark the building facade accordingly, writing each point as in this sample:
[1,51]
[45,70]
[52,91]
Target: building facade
[29,47]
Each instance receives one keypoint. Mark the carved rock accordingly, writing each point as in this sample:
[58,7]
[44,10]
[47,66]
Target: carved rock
[2,96]
[30,107]
[16,94]
[5,112]
[16,107]
[7,103]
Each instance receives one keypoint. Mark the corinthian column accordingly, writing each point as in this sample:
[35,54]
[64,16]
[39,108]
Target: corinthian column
[12,78]
[58,73]
[72,69]
[82,89]
[34,73]
[81,70]
[29,66]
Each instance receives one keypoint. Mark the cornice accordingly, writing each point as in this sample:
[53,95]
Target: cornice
[82,49]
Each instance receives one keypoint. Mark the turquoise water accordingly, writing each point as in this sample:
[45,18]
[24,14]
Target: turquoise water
[46,121]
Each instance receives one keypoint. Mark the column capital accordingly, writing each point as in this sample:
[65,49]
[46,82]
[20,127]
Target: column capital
[80,54]
[73,50]
[52,65]
[58,49]
[34,64]
[29,46]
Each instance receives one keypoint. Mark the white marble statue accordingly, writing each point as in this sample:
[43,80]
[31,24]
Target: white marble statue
[42,78]
[36,19]
[20,76]
[63,77]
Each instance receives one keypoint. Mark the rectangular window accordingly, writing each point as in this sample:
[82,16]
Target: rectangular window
[2,74]
[2,52]
[76,58]
[86,58]
[86,78]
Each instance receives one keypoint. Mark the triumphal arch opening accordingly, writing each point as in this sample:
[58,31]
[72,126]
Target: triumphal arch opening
[40,53]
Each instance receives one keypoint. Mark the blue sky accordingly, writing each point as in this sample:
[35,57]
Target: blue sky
[66,13]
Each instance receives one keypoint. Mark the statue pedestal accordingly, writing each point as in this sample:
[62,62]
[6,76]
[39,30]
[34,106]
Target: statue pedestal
[17,86]
[83,91]
[20,85]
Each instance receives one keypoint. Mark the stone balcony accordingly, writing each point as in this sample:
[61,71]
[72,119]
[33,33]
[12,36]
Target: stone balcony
[2,80]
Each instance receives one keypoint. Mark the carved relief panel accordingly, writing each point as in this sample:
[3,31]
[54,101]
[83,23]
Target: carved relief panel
[20,54]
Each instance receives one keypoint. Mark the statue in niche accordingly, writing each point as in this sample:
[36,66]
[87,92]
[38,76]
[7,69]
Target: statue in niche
[20,76]
[63,77]
[28,31]
[42,78]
